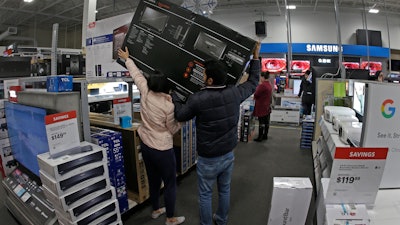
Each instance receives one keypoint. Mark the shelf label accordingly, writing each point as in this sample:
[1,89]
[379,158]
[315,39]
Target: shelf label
[62,131]
[121,107]
[356,175]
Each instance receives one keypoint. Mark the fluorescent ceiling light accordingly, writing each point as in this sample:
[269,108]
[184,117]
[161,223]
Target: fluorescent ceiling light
[28,0]
[373,10]
[291,7]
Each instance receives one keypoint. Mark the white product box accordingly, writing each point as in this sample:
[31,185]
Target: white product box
[342,118]
[330,111]
[106,214]
[350,131]
[69,165]
[86,208]
[79,196]
[74,183]
[291,198]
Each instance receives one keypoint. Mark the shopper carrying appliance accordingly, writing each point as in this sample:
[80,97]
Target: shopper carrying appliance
[307,93]
[216,108]
[262,107]
[156,132]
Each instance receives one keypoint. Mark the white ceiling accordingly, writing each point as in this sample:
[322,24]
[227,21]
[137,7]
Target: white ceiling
[42,14]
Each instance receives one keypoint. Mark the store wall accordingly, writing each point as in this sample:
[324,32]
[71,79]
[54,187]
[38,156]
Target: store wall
[310,27]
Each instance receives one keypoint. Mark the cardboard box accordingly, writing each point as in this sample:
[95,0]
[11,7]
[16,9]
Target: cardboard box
[73,183]
[195,38]
[79,196]
[291,197]
[69,165]
[59,83]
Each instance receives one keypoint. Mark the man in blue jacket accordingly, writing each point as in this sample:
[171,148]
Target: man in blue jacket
[216,108]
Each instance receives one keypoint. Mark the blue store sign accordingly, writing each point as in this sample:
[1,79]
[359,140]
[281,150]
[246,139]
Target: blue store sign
[325,49]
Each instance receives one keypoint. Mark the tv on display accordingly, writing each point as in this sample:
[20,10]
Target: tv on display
[300,66]
[296,87]
[359,74]
[27,134]
[351,65]
[359,97]
[371,66]
[273,65]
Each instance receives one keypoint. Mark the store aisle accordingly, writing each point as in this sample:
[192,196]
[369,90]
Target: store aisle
[255,166]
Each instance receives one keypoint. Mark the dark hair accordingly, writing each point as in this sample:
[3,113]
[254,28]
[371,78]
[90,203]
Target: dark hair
[265,74]
[307,72]
[158,82]
[215,70]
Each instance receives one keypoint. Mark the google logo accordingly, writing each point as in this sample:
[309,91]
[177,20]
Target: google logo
[391,110]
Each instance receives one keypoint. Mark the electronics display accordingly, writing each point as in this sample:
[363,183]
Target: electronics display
[27,133]
[359,74]
[300,66]
[118,39]
[374,37]
[351,65]
[296,86]
[161,26]
[342,118]
[319,71]
[330,111]
[371,66]
[359,97]
[350,132]
[273,65]
[26,195]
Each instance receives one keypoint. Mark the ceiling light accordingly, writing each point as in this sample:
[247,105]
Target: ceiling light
[373,10]
[291,7]
[28,0]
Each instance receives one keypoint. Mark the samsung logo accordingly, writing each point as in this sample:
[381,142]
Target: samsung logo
[362,154]
[322,48]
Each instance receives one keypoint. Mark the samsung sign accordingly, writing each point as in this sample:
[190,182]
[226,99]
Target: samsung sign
[325,49]
[312,48]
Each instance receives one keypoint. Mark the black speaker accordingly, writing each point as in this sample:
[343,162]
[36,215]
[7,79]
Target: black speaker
[260,28]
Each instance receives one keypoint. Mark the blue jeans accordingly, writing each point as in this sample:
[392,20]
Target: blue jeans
[211,170]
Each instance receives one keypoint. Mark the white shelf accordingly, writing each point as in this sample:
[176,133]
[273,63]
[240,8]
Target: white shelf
[106,97]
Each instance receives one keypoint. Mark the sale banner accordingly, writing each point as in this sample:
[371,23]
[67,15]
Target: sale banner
[62,132]
[356,175]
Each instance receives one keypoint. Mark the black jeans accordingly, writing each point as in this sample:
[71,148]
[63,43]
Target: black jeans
[264,121]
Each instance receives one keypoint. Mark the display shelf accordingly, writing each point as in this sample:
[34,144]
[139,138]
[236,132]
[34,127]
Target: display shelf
[307,133]
[285,109]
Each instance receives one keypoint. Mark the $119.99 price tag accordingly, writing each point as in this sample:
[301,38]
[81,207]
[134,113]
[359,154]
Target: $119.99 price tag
[62,131]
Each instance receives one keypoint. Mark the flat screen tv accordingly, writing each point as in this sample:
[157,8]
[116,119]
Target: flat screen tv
[273,65]
[359,97]
[300,66]
[371,66]
[27,134]
[359,74]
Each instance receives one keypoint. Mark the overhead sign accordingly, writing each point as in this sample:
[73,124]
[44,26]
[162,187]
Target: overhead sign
[166,37]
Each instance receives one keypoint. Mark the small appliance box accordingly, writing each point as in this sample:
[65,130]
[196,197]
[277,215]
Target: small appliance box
[291,197]
[59,83]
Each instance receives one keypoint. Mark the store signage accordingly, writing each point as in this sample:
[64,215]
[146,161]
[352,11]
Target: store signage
[356,175]
[381,127]
[62,132]
[322,48]
[324,61]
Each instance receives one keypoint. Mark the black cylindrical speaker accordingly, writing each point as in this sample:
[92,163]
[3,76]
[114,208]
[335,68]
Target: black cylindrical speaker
[260,28]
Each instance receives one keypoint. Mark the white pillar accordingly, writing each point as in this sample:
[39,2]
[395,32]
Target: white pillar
[89,15]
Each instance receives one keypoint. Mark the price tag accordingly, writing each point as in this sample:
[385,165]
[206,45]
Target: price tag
[356,175]
[62,132]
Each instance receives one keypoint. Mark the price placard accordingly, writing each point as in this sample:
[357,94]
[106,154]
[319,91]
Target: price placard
[121,107]
[62,132]
[356,175]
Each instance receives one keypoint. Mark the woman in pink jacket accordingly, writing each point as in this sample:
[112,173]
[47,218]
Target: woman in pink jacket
[156,132]
[262,108]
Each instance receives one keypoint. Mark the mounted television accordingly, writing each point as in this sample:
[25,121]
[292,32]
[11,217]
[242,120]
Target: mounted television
[300,66]
[351,65]
[359,97]
[371,66]
[359,74]
[27,134]
[273,65]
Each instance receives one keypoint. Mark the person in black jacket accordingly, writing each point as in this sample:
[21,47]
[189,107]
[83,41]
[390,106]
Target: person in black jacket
[216,108]
[307,93]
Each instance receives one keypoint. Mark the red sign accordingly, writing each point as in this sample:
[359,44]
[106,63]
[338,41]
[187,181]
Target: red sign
[361,153]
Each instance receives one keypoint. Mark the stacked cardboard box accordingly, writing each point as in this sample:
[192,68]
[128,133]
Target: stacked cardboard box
[112,142]
[78,186]
[185,146]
